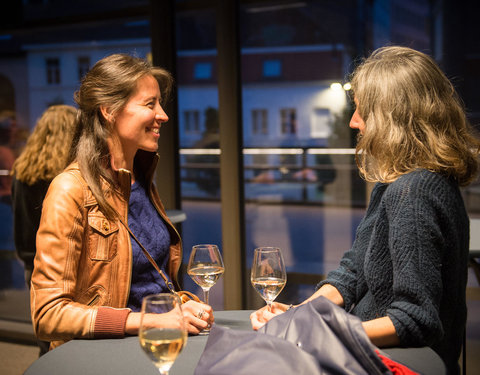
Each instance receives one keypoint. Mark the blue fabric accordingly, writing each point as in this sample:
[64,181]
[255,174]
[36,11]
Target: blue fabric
[147,225]
[409,262]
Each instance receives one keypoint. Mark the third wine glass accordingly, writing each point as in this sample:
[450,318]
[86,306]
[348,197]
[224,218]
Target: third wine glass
[268,275]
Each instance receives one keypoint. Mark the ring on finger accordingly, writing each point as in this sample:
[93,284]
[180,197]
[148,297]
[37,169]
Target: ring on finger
[200,314]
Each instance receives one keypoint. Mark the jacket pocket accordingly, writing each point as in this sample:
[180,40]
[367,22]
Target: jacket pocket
[93,296]
[103,237]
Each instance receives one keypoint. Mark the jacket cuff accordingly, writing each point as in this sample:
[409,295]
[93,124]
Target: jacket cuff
[110,323]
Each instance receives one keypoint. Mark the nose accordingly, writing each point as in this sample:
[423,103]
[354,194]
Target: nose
[160,114]
[356,121]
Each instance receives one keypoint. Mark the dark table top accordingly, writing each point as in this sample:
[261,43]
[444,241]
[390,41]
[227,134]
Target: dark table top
[124,356]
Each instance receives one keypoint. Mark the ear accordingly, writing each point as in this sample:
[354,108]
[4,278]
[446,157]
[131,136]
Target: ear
[106,113]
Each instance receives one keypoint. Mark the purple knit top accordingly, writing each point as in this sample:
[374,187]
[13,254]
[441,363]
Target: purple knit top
[151,231]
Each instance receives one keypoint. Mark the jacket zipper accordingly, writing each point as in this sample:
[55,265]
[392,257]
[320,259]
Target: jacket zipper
[93,301]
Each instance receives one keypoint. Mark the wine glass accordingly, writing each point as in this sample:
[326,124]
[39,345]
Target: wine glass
[162,331]
[205,267]
[268,275]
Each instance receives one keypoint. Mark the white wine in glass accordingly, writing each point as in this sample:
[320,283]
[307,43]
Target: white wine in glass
[205,267]
[162,332]
[268,275]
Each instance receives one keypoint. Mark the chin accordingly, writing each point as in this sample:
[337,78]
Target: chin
[149,149]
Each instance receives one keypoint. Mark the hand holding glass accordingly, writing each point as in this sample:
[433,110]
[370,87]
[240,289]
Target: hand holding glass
[162,332]
[205,267]
[268,275]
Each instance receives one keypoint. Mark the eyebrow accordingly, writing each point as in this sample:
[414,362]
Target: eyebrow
[153,97]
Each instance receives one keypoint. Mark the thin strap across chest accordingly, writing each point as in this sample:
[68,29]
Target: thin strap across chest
[149,257]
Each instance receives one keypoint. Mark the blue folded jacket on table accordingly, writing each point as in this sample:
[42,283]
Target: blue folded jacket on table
[315,338]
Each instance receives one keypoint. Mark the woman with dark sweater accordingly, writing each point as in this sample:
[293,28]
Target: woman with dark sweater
[44,156]
[406,273]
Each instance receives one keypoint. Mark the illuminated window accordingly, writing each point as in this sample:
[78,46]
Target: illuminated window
[321,123]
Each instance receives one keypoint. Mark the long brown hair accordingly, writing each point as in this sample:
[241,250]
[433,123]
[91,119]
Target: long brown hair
[110,83]
[413,119]
[46,153]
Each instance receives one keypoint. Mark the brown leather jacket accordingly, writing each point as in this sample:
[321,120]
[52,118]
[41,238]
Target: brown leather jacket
[82,271]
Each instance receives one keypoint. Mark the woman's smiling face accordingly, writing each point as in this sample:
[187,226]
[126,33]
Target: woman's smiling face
[137,125]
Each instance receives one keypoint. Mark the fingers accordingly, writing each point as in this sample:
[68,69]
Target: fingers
[257,319]
[197,316]
[278,308]
[260,317]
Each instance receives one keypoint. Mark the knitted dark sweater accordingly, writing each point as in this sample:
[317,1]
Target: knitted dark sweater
[27,208]
[409,262]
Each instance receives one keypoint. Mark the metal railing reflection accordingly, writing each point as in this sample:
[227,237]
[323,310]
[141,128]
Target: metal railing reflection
[286,174]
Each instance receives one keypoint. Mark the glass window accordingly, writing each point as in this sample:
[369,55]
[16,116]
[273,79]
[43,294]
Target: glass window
[288,121]
[259,121]
[83,66]
[272,68]
[53,71]
[301,187]
[192,122]
[199,135]
[321,123]
[202,70]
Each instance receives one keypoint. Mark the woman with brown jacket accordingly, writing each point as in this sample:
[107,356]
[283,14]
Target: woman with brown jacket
[89,277]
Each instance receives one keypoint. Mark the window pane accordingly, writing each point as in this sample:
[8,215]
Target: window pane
[302,188]
[199,136]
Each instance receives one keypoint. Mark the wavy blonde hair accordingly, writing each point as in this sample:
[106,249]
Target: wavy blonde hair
[110,83]
[413,119]
[46,152]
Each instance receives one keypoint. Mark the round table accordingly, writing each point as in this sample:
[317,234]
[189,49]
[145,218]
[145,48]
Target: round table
[124,356]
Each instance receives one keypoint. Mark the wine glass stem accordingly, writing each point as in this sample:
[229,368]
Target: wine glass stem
[269,306]
[205,293]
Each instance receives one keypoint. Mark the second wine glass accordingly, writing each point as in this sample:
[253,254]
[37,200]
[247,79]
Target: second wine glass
[205,267]
[268,275]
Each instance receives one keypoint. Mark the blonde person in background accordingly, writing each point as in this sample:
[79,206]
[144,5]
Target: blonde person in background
[406,273]
[44,156]
[90,277]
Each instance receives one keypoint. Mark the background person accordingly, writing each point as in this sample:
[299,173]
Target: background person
[406,273]
[89,277]
[44,156]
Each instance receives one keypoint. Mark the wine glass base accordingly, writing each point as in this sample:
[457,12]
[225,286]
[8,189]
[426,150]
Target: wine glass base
[205,332]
